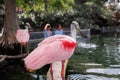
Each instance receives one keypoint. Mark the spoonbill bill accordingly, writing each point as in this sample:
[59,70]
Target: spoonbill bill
[52,49]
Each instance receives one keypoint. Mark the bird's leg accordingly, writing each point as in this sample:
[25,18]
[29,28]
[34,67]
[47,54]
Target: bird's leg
[57,70]
[63,70]
[51,71]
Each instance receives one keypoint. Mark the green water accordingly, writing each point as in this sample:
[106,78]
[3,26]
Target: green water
[99,49]
[102,49]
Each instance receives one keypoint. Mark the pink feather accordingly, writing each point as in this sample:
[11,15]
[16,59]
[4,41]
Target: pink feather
[52,49]
[22,36]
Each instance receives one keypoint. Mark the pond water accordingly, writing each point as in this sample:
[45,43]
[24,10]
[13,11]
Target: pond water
[97,58]
[101,49]
[100,55]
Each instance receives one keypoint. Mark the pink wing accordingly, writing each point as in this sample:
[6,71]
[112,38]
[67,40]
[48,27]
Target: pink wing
[56,50]
[51,39]
[22,35]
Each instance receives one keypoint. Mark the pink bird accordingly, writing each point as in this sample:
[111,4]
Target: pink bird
[52,49]
[22,37]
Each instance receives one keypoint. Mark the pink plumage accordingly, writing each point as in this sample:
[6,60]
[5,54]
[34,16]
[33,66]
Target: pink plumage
[52,49]
[22,36]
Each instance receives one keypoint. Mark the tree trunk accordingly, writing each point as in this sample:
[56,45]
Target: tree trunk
[10,24]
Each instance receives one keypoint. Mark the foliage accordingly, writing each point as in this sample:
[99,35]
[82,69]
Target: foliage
[38,5]
[89,14]
[60,5]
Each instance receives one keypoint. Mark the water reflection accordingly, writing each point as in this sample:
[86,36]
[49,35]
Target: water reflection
[88,77]
[87,45]
[108,71]
[104,49]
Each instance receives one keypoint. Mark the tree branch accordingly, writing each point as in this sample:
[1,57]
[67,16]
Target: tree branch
[3,57]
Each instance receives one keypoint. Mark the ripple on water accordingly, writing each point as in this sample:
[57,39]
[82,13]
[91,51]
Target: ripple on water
[88,77]
[86,45]
[108,71]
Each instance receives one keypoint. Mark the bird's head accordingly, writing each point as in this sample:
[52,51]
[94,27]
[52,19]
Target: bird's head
[75,24]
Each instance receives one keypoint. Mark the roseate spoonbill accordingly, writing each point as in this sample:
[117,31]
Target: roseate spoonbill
[52,49]
[22,37]
[58,68]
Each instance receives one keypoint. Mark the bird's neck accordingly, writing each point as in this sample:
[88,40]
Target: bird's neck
[73,33]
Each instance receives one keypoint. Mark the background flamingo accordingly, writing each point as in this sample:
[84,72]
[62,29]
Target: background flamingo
[52,49]
[22,37]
